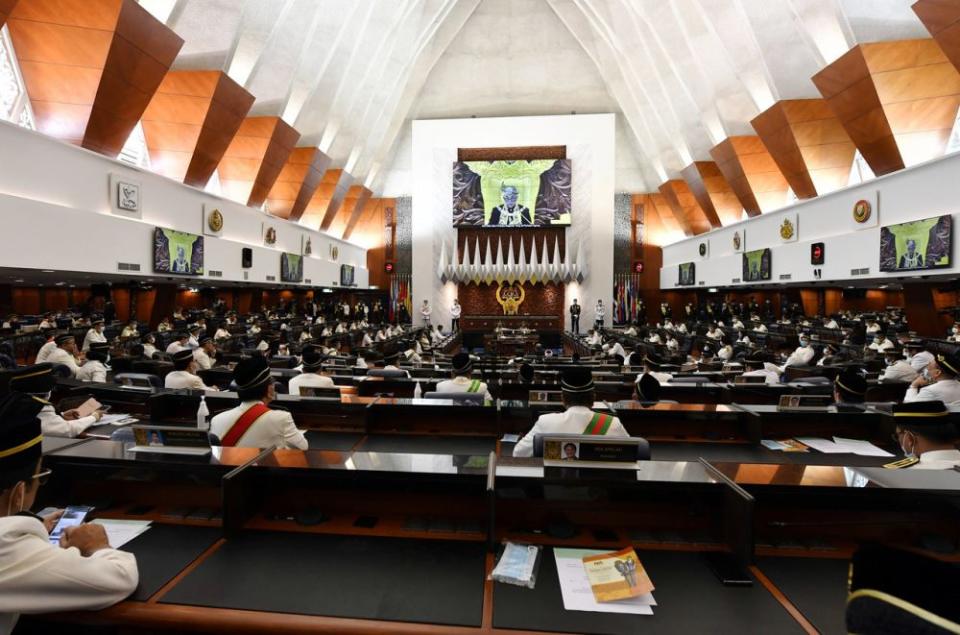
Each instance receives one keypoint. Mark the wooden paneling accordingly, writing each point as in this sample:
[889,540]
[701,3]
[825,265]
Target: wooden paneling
[808,143]
[353,208]
[6,8]
[329,197]
[190,122]
[254,159]
[529,153]
[371,232]
[686,209]
[300,177]
[660,225]
[942,19]
[713,193]
[752,173]
[897,100]
[90,68]
[921,309]
[540,299]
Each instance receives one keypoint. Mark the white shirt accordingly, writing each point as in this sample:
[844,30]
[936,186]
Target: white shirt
[715,334]
[920,361]
[947,391]
[183,379]
[175,347]
[224,334]
[93,370]
[672,344]
[572,421]
[455,311]
[617,349]
[800,357]
[310,380]
[600,311]
[899,371]
[595,339]
[53,425]
[770,376]
[873,328]
[45,351]
[462,384]
[881,346]
[203,359]
[60,356]
[149,350]
[193,342]
[93,337]
[38,577]
[831,324]
[654,338]
[682,328]
[425,311]
[937,460]
[367,340]
[761,328]
[725,353]
[275,427]
[129,331]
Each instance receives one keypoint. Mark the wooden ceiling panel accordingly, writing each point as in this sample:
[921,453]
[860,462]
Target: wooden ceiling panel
[685,207]
[808,143]
[282,143]
[6,8]
[104,58]
[297,183]
[713,194]
[254,158]
[329,197]
[942,19]
[228,109]
[885,93]
[752,173]
[353,213]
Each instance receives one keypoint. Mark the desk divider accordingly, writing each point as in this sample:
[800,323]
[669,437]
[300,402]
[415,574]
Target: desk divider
[738,510]
[492,502]
[752,421]
[236,498]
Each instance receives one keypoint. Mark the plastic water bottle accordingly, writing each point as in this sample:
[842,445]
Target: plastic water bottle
[202,414]
[417,392]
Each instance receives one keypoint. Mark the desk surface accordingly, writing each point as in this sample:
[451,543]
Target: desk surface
[816,586]
[435,582]
[163,551]
[423,444]
[689,600]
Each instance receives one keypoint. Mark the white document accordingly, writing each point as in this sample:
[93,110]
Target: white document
[773,445]
[824,445]
[117,420]
[861,448]
[576,591]
[120,532]
[510,438]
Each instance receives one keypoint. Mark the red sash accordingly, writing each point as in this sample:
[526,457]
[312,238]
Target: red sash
[241,425]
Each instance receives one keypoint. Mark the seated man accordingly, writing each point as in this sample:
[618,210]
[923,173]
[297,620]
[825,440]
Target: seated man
[850,387]
[179,344]
[646,389]
[252,424]
[927,435]
[917,354]
[65,353]
[576,384]
[184,374]
[938,382]
[48,347]
[898,368]
[38,382]
[757,367]
[651,366]
[461,382]
[82,572]
[149,345]
[96,367]
[881,343]
[206,354]
[311,373]
[95,334]
[130,330]
[803,354]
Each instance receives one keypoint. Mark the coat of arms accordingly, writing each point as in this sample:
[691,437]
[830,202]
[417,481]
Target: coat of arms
[787,230]
[861,211]
[215,221]
[510,297]
[737,241]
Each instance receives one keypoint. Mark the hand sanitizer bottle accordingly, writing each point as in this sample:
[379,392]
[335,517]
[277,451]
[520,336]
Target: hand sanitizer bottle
[202,414]
[417,391]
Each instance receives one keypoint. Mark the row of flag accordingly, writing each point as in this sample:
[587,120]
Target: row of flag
[400,295]
[626,297]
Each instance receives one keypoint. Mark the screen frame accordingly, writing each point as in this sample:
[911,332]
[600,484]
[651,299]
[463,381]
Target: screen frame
[680,282]
[353,275]
[286,255]
[202,269]
[896,269]
[535,225]
[745,262]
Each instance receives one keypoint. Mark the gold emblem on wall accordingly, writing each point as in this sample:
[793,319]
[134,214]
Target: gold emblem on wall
[861,211]
[787,229]
[215,221]
[510,297]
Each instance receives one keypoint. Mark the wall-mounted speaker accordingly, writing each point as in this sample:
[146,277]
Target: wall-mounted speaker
[246,257]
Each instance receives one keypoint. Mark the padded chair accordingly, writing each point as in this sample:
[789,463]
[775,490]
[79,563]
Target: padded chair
[643,447]
[61,371]
[463,397]
[139,380]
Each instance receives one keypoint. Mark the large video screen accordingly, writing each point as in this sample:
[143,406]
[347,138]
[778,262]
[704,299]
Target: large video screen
[521,193]
[756,265]
[688,274]
[346,275]
[177,252]
[291,268]
[919,244]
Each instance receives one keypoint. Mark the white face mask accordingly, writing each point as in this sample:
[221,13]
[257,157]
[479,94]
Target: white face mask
[926,374]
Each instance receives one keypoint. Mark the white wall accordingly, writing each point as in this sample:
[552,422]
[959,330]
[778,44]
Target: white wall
[929,189]
[55,202]
[590,142]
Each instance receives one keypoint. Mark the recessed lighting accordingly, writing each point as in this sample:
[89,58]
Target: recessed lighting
[60,284]
[48,271]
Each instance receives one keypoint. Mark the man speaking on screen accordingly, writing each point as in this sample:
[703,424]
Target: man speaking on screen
[511,212]
[912,259]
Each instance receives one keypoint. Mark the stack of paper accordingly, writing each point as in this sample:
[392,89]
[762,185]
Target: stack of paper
[117,419]
[578,594]
[840,445]
[120,532]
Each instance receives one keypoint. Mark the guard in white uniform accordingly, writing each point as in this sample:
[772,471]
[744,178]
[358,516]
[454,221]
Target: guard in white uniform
[455,312]
[184,374]
[95,334]
[38,382]
[65,353]
[928,436]
[938,382]
[462,382]
[95,369]
[425,312]
[599,312]
[252,424]
[206,354]
[82,572]
[881,343]
[898,369]
[310,373]
[576,384]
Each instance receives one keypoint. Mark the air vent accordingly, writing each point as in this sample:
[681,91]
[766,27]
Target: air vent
[735,280]
[128,266]
[702,283]
[786,276]
[271,278]
[215,274]
[860,272]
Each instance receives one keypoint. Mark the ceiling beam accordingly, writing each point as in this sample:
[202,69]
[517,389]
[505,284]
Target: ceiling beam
[942,19]
[299,179]
[752,173]
[6,8]
[329,197]
[685,207]
[809,145]
[713,193]
[359,203]
[254,159]
[897,100]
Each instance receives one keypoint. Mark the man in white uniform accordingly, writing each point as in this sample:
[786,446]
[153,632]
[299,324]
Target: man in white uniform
[881,343]
[252,424]
[576,384]
[927,435]
[95,369]
[898,369]
[65,353]
[311,373]
[179,344]
[425,312]
[461,382]
[455,312]
[95,334]
[38,382]
[917,355]
[803,354]
[46,349]
[82,572]
[599,312]
[149,345]
[184,374]
[206,353]
[938,382]
[757,367]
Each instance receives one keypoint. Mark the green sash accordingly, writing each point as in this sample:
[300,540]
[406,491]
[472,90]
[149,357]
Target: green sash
[599,424]
[474,386]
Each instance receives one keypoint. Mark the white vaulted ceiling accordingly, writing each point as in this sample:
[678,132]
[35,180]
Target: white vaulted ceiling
[350,75]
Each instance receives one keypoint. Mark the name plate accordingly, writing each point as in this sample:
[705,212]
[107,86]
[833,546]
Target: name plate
[805,403]
[591,452]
